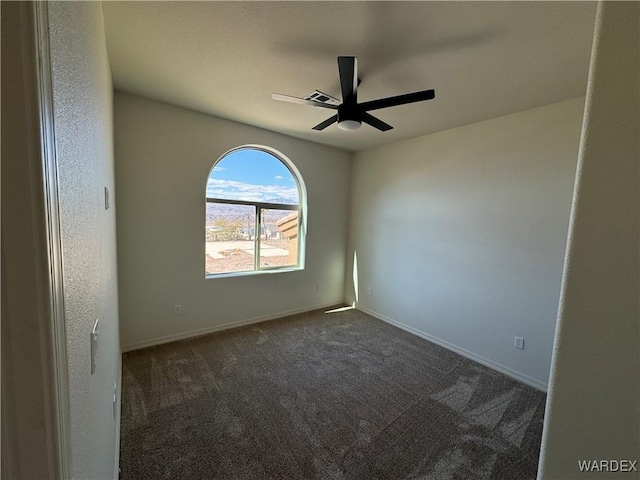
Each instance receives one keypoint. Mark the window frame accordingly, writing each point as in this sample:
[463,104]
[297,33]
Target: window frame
[300,207]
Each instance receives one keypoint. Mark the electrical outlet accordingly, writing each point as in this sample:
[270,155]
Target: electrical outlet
[519,343]
[177,310]
[369,291]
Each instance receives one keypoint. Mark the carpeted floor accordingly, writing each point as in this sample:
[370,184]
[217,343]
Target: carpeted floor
[322,396]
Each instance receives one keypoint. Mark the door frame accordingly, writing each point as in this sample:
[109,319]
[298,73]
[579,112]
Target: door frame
[55,346]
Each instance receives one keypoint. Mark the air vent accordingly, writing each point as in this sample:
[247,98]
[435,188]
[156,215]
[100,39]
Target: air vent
[318,96]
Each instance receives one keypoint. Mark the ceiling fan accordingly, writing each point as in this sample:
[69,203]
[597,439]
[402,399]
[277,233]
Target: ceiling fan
[351,114]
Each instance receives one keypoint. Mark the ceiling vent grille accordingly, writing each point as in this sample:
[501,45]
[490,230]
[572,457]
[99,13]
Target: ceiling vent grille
[318,96]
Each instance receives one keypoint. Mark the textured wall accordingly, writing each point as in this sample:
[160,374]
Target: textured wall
[83,103]
[163,157]
[593,410]
[461,234]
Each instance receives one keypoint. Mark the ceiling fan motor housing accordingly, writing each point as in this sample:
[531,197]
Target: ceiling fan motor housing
[349,116]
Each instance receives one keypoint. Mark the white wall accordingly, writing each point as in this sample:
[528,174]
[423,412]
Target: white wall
[461,234]
[83,114]
[593,408]
[163,157]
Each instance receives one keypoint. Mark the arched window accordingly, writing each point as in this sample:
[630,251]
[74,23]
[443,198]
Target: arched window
[254,213]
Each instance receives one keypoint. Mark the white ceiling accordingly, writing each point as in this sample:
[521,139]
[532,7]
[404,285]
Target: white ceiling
[484,59]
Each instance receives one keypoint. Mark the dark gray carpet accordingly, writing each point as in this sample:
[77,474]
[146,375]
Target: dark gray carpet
[323,396]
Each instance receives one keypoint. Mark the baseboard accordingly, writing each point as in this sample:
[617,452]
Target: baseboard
[217,328]
[533,382]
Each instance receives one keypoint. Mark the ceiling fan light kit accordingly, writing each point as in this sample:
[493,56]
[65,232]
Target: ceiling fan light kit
[349,124]
[350,113]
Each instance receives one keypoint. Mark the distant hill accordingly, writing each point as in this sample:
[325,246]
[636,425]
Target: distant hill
[230,212]
[243,212]
[283,200]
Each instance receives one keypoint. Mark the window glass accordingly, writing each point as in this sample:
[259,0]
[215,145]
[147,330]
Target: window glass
[279,238]
[253,175]
[229,238]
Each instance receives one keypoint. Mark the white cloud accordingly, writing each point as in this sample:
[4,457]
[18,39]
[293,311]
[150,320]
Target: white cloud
[233,190]
[218,169]
[278,177]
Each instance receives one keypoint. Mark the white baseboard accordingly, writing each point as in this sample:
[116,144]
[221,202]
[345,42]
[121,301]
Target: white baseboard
[217,328]
[533,382]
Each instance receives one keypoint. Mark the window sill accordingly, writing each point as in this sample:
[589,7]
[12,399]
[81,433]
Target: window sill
[268,271]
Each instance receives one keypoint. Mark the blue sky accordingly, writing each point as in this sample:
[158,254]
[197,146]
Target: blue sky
[251,175]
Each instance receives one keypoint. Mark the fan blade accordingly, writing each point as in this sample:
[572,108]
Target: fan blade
[399,100]
[287,98]
[326,123]
[375,122]
[348,69]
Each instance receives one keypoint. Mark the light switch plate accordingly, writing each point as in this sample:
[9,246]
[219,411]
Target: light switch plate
[94,346]
[115,399]
[519,343]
